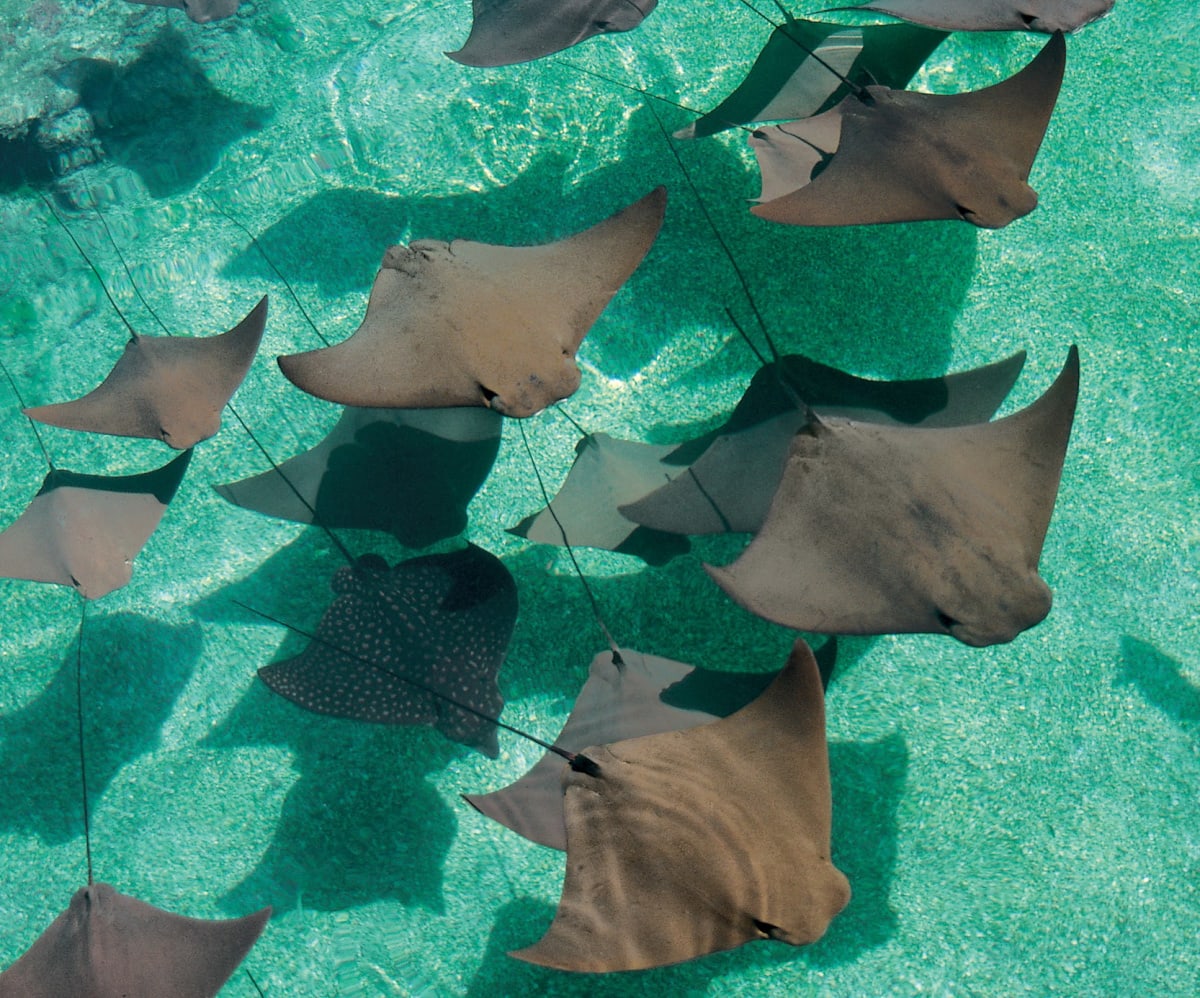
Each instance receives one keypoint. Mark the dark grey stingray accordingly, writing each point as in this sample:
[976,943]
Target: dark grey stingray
[200,11]
[689,842]
[632,497]
[85,530]
[465,323]
[397,644]
[110,945]
[898,156]
[168,388]
[878,529]
[504,32]
[410,472]
[626,698]
[789,81]
[1046,16]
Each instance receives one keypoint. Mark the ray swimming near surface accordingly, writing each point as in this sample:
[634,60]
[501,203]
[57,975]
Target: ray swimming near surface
[878,529]
[200,11]
[504,32]
[84,531]
[471,324]
[900,156]
[689,842]
[110,945]
[412,644]
[809,66]
[409,472]
[626,695]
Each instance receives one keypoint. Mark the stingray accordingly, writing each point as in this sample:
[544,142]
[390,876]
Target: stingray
[1046,16]
[608,472]
[880,530]
[625,696]
[200,11]
[85,530]
[504,32]
[418,643]
[408,472]
[898,156]
[690,842]
[638,498]
[789,81]
[470,324]
[167,388]
[110,945]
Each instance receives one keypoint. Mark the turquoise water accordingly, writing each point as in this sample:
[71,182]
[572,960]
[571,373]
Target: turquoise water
[1022,819]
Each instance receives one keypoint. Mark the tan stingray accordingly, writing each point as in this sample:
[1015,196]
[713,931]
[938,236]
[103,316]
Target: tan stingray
[84,531]
[691,842]
[885,529]
[466,323]
[900,156]
[110,945]
[169,388]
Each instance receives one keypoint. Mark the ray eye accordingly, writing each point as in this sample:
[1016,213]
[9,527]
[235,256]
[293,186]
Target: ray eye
[946,620]
[1028,19]
[488,394]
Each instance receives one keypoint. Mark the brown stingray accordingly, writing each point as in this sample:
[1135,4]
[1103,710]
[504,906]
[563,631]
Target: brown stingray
[85,530]
[1046,16]
[691,842]
[465,323]
[898,156]
[168,388]
[625,696]
[110,945]
[881,529]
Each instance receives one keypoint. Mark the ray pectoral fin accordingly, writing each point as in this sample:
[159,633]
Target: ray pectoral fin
[1001,15]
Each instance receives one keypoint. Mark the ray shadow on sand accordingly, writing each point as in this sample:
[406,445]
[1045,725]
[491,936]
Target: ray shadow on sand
[39,749]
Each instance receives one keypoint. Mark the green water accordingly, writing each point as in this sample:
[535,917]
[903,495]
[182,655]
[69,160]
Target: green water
[1016,820]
